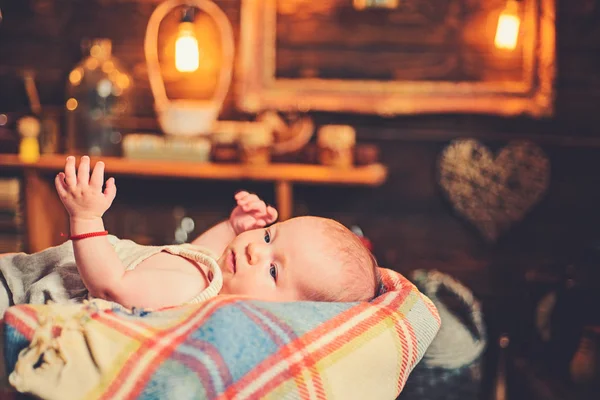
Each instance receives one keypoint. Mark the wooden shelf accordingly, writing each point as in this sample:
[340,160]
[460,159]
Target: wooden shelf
[371,175]
[46,216]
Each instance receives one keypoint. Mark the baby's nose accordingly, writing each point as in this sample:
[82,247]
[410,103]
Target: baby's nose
[256,252]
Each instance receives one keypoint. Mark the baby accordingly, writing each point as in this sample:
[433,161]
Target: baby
[304,258]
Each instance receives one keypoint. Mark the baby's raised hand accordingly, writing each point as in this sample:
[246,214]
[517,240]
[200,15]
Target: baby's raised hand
[251,213]
[81,194]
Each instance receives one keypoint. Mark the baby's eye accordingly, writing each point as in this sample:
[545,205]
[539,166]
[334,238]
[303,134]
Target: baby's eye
[273,271]
[267,236]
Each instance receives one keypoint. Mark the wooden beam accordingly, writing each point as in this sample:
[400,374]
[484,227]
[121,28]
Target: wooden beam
[371,175]
[285,199]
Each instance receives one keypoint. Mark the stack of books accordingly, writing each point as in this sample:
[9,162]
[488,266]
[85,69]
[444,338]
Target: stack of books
[11,216]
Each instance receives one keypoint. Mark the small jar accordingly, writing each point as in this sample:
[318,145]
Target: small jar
[29,147]
[255,144]
[195,149]
[336,145]
[225,143]
[143,146]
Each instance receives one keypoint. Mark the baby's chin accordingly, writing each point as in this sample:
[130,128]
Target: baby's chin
[221,262]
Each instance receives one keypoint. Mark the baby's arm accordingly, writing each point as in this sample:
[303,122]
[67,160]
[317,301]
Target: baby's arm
[216,238]
[250,213]
[98,263]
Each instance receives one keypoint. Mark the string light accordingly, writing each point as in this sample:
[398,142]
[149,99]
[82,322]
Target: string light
[187,55]
[509,22]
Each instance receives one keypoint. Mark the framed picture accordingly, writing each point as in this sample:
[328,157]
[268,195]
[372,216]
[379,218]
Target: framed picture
[425,56]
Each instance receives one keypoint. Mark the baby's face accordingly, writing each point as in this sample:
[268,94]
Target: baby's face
[278,263]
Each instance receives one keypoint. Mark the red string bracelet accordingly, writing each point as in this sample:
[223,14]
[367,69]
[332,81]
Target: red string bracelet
[88,235]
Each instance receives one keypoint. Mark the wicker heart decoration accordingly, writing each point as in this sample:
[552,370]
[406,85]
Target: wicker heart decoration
[493,193]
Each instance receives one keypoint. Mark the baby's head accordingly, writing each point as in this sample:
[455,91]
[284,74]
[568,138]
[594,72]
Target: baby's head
[304,258]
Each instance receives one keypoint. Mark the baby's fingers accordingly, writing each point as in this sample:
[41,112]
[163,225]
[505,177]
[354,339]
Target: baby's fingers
[60,184]
[240,195]
[249,199]
[257,206]
[83,173]
[70,174]
[272,214]
[110,191]
[97,176]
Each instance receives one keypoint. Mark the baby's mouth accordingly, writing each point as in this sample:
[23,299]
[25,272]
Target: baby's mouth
[232,261]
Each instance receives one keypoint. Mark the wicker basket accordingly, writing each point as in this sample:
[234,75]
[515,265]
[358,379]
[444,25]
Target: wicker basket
[452,366]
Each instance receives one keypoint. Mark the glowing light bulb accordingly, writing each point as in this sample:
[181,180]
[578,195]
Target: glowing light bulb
[507,32]
[187,55]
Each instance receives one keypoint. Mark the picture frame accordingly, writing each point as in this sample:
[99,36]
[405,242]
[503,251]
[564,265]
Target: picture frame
[260,86]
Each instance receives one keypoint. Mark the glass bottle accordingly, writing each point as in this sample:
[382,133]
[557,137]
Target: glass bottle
[98,91]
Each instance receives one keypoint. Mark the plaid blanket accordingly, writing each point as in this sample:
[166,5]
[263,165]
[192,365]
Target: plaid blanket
[225,348]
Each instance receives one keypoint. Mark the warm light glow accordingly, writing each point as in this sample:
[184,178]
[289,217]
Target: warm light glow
[123,81]
[75,76]
[92,63]
[72,104]
[507,33]
[96,51]
[187,56]
[108,66]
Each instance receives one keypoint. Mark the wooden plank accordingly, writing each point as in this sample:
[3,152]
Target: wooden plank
[368,175]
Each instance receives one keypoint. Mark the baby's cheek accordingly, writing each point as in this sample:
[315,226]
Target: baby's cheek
[255,288]
[233,285]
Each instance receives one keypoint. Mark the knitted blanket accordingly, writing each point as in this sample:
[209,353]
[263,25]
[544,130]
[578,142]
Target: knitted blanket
[225,348]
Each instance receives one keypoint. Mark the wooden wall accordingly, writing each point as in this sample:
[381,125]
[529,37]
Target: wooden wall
[408,219]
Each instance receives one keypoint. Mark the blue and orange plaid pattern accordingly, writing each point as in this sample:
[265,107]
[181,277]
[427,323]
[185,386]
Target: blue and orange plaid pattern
[226,348]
